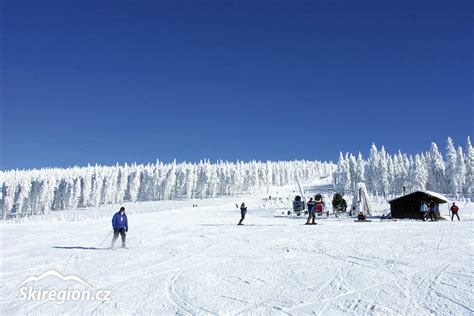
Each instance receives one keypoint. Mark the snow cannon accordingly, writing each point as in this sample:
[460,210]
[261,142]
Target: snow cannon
[319,206]
[298,206]
[339,204]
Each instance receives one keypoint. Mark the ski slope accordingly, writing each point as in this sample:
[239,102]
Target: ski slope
[185,260]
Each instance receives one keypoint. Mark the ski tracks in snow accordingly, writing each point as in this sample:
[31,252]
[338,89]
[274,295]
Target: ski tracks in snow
[182,306]
[371,307]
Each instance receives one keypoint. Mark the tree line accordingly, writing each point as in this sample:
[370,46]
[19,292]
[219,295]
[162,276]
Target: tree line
[37,191]
[387,175]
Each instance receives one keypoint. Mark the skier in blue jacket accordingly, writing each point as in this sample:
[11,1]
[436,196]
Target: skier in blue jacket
[423,210]
[120,226]
[243,211]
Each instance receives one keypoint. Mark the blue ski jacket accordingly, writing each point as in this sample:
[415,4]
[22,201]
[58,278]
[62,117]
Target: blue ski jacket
[120,221]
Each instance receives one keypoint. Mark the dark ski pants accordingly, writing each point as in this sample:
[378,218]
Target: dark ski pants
[311,215]
[242,217]
[452,216]
[433,216]
[122,233]
[423,216]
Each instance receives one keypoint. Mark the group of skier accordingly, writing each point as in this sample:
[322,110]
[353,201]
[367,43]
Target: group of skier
[120,224]
[316,205]
[431,209]
[428,210]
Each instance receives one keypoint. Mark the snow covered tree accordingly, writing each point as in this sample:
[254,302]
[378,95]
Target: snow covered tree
[8,194]
[190,181]
[352,170]
[134,186]
[371,170]
[460,172]
[76,192]
[169,182]
[435,170]
[38,191]
[213,181]
[383,172]
[86,187]
[451,166]
[122,181]
[469,164]
[342,177]
[418,175]
[360,169]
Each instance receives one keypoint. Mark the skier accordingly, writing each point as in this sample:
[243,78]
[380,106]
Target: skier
[243,211]
[423,210]
[432,211]
[454,211]
[120,226]
[310,205]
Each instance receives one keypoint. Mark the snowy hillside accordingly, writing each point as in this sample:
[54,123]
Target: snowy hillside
[187,260]
[38,192]
[33,192]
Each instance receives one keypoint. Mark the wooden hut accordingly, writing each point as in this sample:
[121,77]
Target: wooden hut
[408,206]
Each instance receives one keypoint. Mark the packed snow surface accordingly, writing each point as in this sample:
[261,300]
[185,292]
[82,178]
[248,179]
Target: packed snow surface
[186,260]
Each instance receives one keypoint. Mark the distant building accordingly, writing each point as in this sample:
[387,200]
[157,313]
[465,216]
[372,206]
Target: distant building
[408,206]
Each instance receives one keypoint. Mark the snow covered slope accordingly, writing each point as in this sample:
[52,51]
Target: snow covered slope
[198,261]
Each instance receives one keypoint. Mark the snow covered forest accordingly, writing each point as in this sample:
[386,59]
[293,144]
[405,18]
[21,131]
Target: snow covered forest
[29,192]
[386,174]
[37,191]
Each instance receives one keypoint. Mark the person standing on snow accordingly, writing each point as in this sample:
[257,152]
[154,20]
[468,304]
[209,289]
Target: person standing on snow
[120,226]
[423,210]
[432,211]
[311,214]
[361,217]
[454,211]
[243,211]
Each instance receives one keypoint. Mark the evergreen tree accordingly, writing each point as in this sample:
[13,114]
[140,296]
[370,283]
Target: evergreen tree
[134,187]
[436,170]
[451,166]
[460,172]
[371,169]
[342,175]
[469,163]
[360,170]
[418,175]
[353,171]
[383,175]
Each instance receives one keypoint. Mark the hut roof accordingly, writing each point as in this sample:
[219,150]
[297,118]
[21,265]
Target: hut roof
[437,197]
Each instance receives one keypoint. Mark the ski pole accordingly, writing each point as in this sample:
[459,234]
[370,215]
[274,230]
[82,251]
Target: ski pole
[106,238]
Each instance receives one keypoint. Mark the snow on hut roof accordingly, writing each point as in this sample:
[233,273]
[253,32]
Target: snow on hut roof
[436,195]
[432,194]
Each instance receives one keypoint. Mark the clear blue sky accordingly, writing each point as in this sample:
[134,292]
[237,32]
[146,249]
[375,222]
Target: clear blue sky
[111,81]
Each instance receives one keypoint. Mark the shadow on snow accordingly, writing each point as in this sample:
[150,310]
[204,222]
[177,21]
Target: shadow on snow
[80,247]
